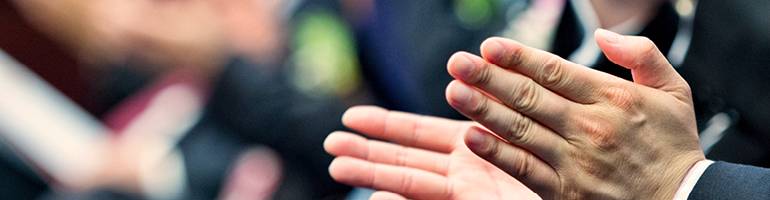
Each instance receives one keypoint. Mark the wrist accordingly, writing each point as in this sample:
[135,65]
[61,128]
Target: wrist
[675,173]
[691,178]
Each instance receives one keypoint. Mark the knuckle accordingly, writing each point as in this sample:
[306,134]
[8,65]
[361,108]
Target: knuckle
[525,97]
[648,53]
[621,96]
[573,193]
[585,163]
[685,89]
[483,76]
[523,168]
[647,42]
[417,128]
[407,183]
[606,139]
[481,109]
[515,57]
[567,183]
[551,72]
[493,151]
[401,156]
[519,129]
[599,132]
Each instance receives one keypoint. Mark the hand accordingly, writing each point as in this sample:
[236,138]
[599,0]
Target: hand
[427,159]
[571,132]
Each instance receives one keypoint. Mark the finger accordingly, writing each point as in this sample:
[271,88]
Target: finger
[522,165]
[573,81]
[383,195]
[348,144]
[647,64]
[429,133]
[508,124]
[513,89]
[411,183]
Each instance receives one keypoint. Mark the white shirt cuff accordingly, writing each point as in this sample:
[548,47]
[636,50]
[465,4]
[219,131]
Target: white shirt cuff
[691,179]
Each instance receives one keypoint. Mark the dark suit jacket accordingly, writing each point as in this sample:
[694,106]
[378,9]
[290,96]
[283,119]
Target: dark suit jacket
[727,68]
[724,180]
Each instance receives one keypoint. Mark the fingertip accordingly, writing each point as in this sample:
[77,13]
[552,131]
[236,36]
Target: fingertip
[477,140]
[458,94]
[356,115]
[607,37]
[336,167]
[462,64]
[494,49]
[346,170]
[340,166]
[608,42]
[332,141]
[448,91]
[458,57]
[340,143]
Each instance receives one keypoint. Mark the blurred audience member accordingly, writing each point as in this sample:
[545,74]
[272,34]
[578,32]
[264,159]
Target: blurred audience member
[208,77]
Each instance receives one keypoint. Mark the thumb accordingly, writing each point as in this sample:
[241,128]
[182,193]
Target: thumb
[647,64]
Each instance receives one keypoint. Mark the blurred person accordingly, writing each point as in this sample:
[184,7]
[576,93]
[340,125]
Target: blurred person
[244,97]
[97,34]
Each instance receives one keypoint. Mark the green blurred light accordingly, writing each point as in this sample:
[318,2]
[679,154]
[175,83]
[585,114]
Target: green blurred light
[474,14]
[324,57]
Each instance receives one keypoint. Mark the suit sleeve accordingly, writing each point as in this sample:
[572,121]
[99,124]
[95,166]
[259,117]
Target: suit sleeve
[724,180]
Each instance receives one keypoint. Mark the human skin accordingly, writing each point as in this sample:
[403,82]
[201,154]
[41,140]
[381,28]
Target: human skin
[570,132]
[573,133]
[418,157]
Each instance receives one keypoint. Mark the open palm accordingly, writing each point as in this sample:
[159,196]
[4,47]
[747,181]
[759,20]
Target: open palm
[425,158]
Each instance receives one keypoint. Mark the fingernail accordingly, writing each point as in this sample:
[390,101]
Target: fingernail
[476,140]
[493,50]
[464,66]
[609,36]
[461,94]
